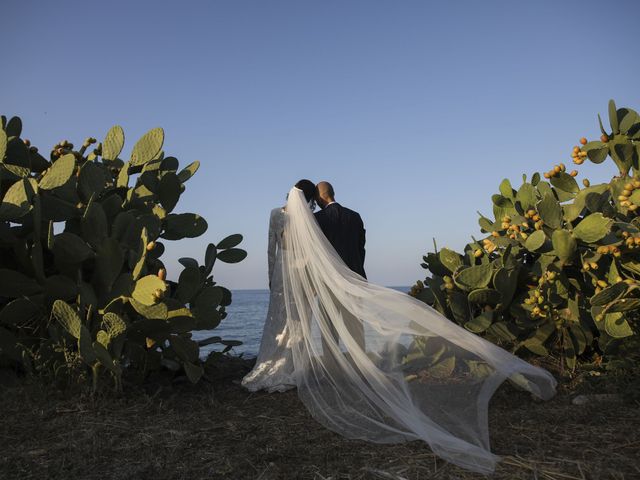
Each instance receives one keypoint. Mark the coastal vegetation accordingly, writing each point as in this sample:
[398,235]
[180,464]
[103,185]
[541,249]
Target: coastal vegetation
[558,273]
[83,289]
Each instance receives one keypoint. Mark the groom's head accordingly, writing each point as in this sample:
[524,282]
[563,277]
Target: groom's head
[324,194]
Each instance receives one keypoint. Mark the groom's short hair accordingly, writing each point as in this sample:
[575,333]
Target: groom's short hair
[325,188]
[308,188]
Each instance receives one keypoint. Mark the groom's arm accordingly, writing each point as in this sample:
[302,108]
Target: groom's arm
[362,239]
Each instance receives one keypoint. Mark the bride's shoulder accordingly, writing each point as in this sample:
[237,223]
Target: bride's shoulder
[276,212]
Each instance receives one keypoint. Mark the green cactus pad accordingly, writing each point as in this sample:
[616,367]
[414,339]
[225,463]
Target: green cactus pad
[535,241]
[527,196]
[169,191]
[109,261]
[593,228]
[232,255]
[184,225]
[68,317]
[459,306]
[60,172]
[617,326]
[17,201]
[94,224]
[450,259]
[229,242]
[158,311]
[550,211]
[92,180]
[69,249]
[564,245]
[189,283]
[188,172]
[485,296]
[565,182]
[145,288]
[609,294]
[624,305]
[114,324]
[3,145]
[147,147]
[194,372]
[480,323]
[113,143]
[474,277]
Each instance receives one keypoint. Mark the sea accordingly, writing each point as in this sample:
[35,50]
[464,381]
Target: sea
[244,322]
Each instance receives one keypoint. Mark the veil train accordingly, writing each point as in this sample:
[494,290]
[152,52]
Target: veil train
[419,375]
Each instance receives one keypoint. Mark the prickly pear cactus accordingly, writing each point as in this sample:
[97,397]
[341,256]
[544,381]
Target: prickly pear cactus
[559,270]
[101,277]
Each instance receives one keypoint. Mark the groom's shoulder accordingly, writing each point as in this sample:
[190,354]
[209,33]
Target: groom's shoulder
[352,213]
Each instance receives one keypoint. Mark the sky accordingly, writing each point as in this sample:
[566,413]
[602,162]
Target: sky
[413,110]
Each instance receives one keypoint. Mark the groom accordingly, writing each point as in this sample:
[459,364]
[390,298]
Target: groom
[345,231]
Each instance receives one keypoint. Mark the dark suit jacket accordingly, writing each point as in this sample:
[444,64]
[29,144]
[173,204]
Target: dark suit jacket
[345,231]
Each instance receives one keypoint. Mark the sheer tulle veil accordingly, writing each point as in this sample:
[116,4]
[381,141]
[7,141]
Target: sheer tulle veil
[418,377]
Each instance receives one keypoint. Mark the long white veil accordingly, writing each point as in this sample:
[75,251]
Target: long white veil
[419,377]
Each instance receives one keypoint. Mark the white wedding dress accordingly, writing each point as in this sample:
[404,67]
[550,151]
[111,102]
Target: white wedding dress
[419,377]
[273,370]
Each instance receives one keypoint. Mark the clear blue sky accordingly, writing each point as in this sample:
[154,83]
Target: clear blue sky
[414,110]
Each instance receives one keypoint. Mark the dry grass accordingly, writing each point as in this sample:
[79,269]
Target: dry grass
[221,431]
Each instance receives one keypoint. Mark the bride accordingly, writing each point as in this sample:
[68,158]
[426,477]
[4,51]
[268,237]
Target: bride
[273,370]
[419,376]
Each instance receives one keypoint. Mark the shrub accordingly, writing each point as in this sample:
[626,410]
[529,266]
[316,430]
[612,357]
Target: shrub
[94,296]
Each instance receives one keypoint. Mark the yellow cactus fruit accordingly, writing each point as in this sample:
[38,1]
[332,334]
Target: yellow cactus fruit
[150,246]
[586,182]
[633,207]
[506,219]
[629,186]
[618,279]
[583,141]
[582,155]
[524,235]
[557,169]
[495,234]
[477,253]
[536,310]
[563,167]
[636,184]
[150,342]
[636,240]
[576,149]
[628,281]
[617,253]
[546,175]
[531,212]
[585,266]
[622,198]
[593,265]
[625,203]
[604,138]
[626,192]
[162,274]
[573,173]
[602,283]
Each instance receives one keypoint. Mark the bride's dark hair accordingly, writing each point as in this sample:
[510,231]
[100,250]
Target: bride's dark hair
[308,188]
